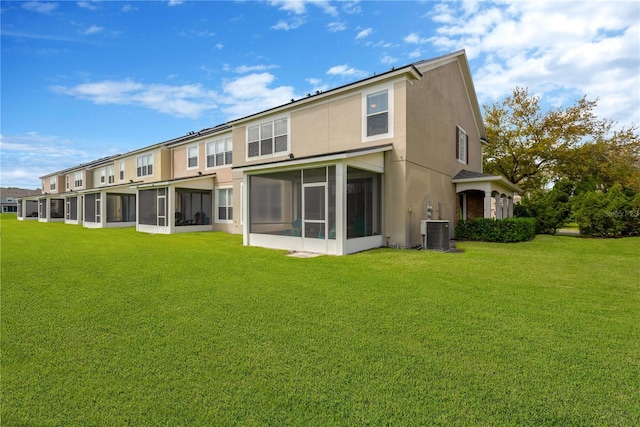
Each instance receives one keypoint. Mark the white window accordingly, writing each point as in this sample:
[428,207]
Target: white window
[144,165]
[122,170]
[78,180]
[224,205]
[377,113]
[52,183]
[192,157]
[103,175]
[220,152]
[462,146]
[377,120]
[68,181]
[110,175]
[268,138]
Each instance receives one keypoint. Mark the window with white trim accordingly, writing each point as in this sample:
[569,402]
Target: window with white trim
[68,181]
[219,152]
[378,113]
[78,180]
[144,165]
[103,175]
[122,170]
[268,138]
[52,183]
[110,175]
[192,156]
[224,205]
[462,145]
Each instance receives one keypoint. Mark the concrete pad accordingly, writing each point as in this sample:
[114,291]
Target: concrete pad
[303,254]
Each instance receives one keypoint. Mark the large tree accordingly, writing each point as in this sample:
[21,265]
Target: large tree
[532,147]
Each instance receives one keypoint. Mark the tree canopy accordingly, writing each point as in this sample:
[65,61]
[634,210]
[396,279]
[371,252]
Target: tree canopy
[533,148]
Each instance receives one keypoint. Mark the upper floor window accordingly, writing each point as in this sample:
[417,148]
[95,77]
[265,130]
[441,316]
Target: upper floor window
[462,145]
[220,152]
[378,113]
[144,165]
[110,175]
[192,156]
[268,138]
[103,175]
[122,170]
[78,180]
[52,183]
[68,181]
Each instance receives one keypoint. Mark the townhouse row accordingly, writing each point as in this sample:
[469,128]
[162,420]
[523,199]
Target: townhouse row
[341,171]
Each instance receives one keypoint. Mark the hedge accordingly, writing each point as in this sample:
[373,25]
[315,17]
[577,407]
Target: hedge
[496,230]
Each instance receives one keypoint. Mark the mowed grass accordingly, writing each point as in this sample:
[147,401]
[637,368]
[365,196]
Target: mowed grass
[113,327]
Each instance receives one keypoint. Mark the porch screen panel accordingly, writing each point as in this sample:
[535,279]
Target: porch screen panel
[129,207]
[20,209]
[114,208]
[57,208]
[72,206]
[332,203]
[121,208]
[275,203]
[193,207]
[364,213]
[90,207]
[31,209]
[148,206]
[42,209]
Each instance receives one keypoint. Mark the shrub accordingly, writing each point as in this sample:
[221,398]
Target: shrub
[496,230]
[550,208]
[609,214]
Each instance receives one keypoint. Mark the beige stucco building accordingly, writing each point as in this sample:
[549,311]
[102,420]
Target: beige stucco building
[337,172]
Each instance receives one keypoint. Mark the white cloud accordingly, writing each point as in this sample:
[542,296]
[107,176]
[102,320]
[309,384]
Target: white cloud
[242,96]
[91,5]
[351,7]
[243,69]
[364,33]
[219,46]
[298,7]
[334,27]
[252,93]
[293,6]
[345,71]
[129,8]
[296,22]
[387,59]
[175,2]
[93,29]
[40,7]
[179,101]
[317,84]
[590,48]
[28,156]
[414,38]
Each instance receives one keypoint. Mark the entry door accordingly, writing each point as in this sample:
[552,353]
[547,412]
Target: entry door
[314,233]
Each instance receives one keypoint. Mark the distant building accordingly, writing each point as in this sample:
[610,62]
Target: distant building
[9,198]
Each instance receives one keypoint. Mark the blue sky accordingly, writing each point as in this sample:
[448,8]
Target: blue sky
[85,79]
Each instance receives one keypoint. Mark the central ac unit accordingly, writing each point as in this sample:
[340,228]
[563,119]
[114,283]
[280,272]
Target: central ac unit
[435,234]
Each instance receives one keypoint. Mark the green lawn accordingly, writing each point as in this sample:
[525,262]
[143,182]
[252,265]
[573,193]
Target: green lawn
[113,327]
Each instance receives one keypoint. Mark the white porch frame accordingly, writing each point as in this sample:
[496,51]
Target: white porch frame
[371,160]
[499,193]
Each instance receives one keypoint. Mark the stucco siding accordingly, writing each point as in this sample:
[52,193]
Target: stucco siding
[436,105]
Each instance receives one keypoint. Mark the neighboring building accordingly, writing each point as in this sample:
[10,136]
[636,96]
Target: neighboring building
[353,168]
[9,199]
